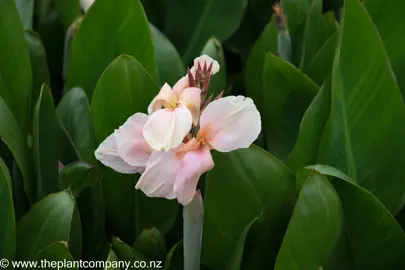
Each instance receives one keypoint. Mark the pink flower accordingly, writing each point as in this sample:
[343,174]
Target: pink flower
[126,151]
[172,113]
[171,147]
[225,125]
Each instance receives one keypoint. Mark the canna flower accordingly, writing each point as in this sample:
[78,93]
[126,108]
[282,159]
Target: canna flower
[226,124]
[172,113]
[171,147]
[126,150]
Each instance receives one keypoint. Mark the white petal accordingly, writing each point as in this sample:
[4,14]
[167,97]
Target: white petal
[165,97]
[230,123]
[131,145]
[107,154]
[191,98]
[166,129]
[205,59]
[86,4]
[160,174]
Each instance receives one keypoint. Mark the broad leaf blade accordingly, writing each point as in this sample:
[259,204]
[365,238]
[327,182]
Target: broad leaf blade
[7,226]
[107,31]
[52,219]
[315,227]
[168,61]
[15,59]
[287,94]
[243,185]
[367,112]
[189,24]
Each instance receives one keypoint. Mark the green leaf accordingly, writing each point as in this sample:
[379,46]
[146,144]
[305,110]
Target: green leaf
[315,227]
[190,24]
[193,220]
[385,240]
[363,135]
[266,43]
[174,259]
[243,185]
[311,129]
[287,95]
[39,65]
[7,226]
[112,260]
[168,61]
[45,144]
[107,31]
[214,49]
[68,11]
[388,18]
[92,216]
[12,136]
[78,176]
[296,12]
[235,261]
[151,243]
[129,256]
[321,65]
[55,254]
[128,210]
[25,9]
[53,220]
[74,113]
[315,32]
[15,59]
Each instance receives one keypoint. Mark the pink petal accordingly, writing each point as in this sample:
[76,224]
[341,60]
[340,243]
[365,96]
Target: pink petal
[107,154]
[192,166]
[165,97]
[191,98]
[160,174]
[166,129]
[205,59]
[131,145]
[230,123]
[180,85]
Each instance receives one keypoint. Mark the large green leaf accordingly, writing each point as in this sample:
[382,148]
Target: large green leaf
[68,11]
[7,225]
[15,59]
[84,182]
[287,95]
[53,220]
[189,24]
[168,61]
[388,18]
[243,185]
[321,65]
[39,65]
[385,240]
[45,144]
[74,113]
[55,254]
[25,9]
[108,30]
[214,49]
[266,43]
[151,243]
[128,211]
[174,259]
[296,12]
[315,32]
[13,137]
[363,136]
[237,257]
[311,129]
[315,227]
